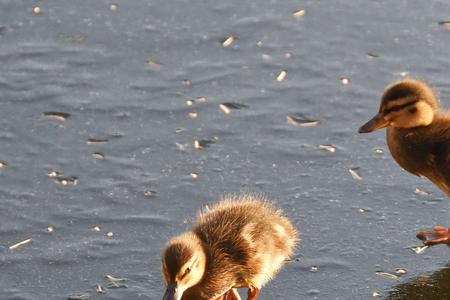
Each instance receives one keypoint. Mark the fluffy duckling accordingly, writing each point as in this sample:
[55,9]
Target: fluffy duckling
[418,136]
[240,242]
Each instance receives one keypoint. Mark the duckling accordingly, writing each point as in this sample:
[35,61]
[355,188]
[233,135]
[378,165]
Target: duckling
[240,242]
[418,136]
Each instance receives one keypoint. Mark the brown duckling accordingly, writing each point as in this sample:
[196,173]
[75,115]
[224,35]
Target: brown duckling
[240,242]
[418,136]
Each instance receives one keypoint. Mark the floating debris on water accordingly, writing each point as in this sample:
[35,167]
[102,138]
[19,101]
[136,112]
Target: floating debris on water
[419,249]
[266,56]
[153,64]
[226,107]
[117,134]
[228,41]
[379,151]
[377,294]
[193,115]
[421,192]
[345,81]
[53,174]
[149,193]
[259,44]
[299,13]
[113,7]
[372,55]
[194,175]
[355,174]
[386,275]
[37,10]
[392,275]
[97,228]
[179,130]
[288,55]
[58,116]
[117,285]
[68,180]
[302,121]
[328,147]
[109,234]
[200,144]
[282,76]
[401,271]
[99,289]
[314,269]
[201,99]
[98,155]
[97,141]
[50,229]
[2,164]
[78,297]
[446,24]
[181,147]
[19,244]
[313,292]
[115,279]
[189,102]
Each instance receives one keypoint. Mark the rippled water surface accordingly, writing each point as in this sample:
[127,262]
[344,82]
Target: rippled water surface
[97,140]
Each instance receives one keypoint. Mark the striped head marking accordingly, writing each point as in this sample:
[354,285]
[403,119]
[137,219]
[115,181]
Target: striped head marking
[183,265]
[407,103]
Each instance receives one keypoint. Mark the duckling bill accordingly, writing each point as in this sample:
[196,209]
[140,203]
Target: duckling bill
[240,242]
[418,137]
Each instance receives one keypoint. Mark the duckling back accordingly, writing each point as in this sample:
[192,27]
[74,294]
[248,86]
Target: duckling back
[246,240]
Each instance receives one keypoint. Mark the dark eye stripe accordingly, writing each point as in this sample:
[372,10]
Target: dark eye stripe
[399,107]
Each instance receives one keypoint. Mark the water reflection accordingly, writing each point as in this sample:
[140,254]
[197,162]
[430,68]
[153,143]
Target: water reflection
[430,286]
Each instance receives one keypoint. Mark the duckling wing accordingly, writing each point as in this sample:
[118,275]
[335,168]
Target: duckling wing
[439,165]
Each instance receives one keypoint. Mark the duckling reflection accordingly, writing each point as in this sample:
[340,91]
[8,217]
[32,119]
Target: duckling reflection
[418,136]
[434,286]
[240,242]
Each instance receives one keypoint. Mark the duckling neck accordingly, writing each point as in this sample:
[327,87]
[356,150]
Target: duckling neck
[401,143]
[410,147]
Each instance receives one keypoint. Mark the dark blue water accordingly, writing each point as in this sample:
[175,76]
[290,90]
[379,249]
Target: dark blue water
[124,145]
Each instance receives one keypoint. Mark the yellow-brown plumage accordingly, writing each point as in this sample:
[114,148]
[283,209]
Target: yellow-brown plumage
[241,241]
[418,135]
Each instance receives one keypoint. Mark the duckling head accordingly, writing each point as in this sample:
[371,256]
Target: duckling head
[183,265]
[406,103]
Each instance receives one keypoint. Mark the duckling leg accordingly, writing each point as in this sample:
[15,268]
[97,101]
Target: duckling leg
[253,293]
[441,234]
[232,294]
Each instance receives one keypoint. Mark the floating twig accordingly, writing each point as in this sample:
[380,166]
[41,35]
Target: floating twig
[97,141]
[282,76]
[226,107]
[228,41]
[19,244]
[115,279]
[299,13]
[301,120]
[355,174]
[329,148]
[58,116]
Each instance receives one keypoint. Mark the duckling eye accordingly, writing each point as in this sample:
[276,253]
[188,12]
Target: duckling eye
[188,270]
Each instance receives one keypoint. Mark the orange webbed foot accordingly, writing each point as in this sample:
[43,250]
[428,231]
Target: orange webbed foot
[440,235]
